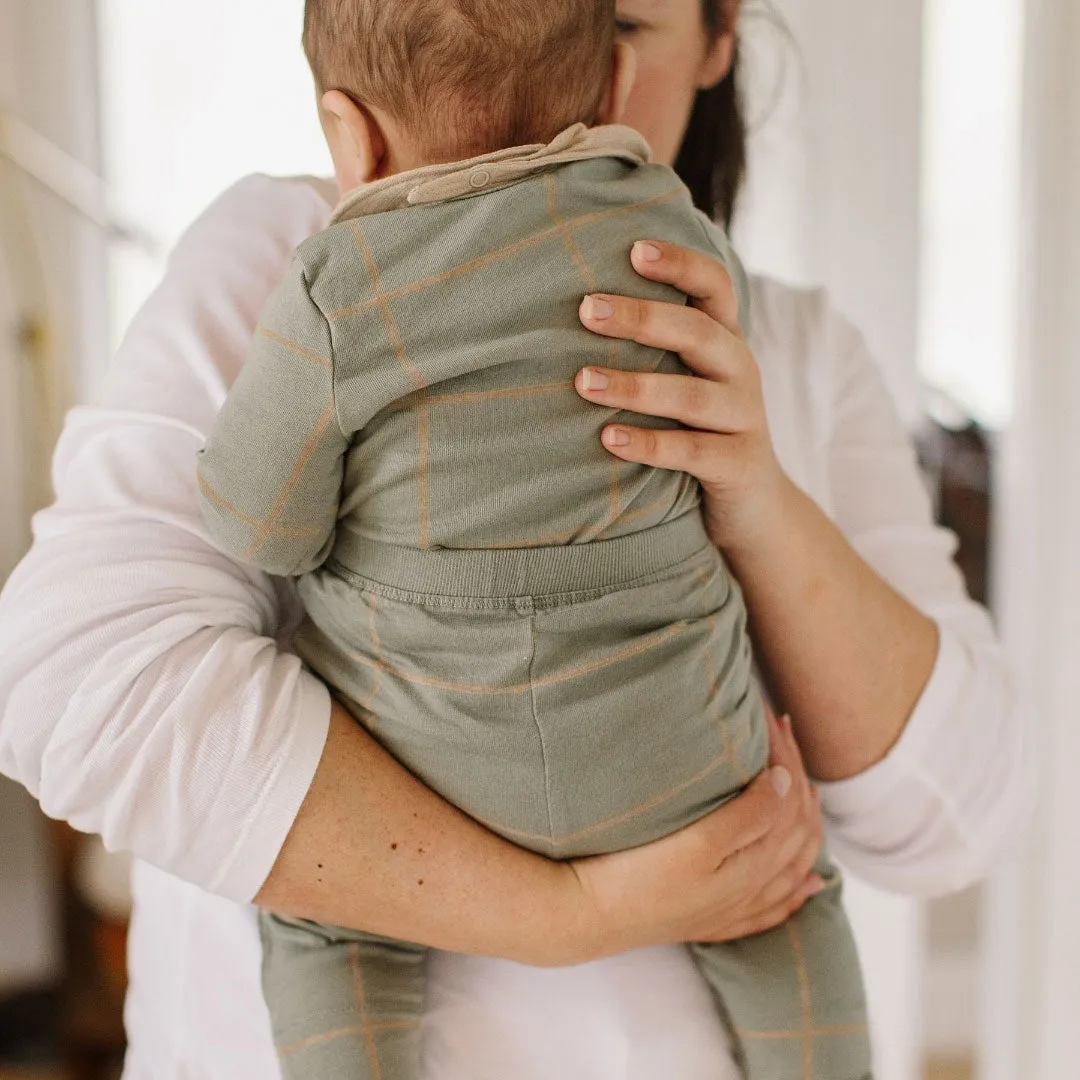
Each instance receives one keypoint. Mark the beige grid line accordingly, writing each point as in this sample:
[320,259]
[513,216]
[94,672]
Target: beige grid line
[496,256]
[268,526]
[295,347]
[361,1008]
[344,1033]
[822,1033]
[635,811]
[523,688]
[807,1033]
[477,397]
[381,300]
[423,494]
[418,381]
[568,235]
[219,500]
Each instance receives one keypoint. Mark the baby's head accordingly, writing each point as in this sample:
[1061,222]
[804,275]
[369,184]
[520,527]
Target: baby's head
[405,83]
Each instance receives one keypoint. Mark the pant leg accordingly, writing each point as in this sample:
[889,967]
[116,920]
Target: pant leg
[793,997]
[343,1005]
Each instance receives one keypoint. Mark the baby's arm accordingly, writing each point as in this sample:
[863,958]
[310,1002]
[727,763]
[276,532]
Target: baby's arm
[270,474]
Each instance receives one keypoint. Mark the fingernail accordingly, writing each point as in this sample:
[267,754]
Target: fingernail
[594,380]
[648,252]
[617,437]
[818,886]
[597,308]
[781,781]
[786,721]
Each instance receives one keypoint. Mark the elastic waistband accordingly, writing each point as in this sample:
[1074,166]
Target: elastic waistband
[520,572]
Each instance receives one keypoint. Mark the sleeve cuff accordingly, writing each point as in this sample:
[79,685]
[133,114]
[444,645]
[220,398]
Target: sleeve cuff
[271,820]
[859,795]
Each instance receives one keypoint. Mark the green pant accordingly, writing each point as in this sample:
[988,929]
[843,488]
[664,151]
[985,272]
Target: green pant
[576,700]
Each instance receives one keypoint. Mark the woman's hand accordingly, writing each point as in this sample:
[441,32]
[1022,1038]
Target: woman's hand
[742,870]
[726,442]
[846,653]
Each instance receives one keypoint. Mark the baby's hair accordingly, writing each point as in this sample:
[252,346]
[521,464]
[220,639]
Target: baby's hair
[466,77]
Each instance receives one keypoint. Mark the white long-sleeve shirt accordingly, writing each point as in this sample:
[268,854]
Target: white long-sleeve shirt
[144,695]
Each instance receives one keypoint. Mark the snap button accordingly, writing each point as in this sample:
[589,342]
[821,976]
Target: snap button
[480,178]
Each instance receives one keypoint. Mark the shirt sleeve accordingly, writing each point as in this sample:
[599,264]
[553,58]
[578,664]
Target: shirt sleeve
[270,474]
[955,792]
[143,692]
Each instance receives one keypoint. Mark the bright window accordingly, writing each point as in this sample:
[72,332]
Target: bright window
[195,96]
[971,202]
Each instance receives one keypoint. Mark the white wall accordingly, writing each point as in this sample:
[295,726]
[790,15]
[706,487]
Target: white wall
[1032,977]
[54,259]
[51,268]
[834,199]
[835,173]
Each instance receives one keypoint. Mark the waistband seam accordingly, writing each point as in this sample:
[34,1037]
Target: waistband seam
[522,602]
[541,575]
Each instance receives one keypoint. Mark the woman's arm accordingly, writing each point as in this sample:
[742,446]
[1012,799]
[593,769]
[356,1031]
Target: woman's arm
[388,855]
[143,694]
[862,624]
[846,654]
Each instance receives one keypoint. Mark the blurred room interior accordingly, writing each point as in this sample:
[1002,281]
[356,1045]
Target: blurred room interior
[914,159]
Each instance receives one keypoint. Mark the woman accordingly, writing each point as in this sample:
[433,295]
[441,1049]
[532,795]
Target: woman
[145,697]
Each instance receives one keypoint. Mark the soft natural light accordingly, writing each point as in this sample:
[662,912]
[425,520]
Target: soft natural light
[971,203]
[195,96]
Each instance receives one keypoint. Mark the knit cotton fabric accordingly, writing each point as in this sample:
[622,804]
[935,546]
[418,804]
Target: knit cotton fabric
[540,632]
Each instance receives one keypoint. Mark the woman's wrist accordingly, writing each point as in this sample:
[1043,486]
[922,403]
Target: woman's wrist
[762,529]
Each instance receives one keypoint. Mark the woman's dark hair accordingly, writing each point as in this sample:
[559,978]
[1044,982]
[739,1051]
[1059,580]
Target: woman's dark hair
[712,160]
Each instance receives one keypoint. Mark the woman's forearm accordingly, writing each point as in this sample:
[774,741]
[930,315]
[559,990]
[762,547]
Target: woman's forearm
[845,654]
[374,849]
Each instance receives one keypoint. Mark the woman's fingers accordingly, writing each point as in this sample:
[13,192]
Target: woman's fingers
[702,277]
[704,344]
[680,451]
[744,821]
[776,915]
[697,403]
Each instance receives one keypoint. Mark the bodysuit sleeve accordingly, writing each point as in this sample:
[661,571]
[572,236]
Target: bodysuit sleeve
[717,242]
[270,474]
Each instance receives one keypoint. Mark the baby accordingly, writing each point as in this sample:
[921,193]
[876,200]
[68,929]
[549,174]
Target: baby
[540,632]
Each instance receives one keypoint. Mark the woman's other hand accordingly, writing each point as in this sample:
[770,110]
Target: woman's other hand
[725,442]
[739,871]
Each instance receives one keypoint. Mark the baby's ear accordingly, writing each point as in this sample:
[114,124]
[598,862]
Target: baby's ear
[356,141]
[623,77]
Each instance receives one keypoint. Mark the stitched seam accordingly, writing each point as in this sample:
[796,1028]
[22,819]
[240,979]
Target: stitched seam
[503,603]
[626,815]
[540,731]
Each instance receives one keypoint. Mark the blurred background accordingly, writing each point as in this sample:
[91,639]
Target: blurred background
[919,160]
